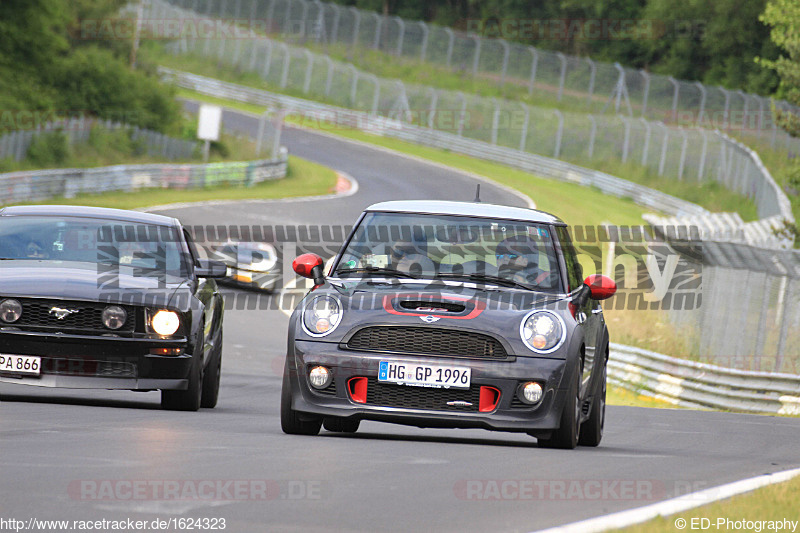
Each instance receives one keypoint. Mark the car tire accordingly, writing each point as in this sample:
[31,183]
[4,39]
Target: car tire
[211,377]
[341,425]
[592,429]
[291,423]
[189,399]
[566,436]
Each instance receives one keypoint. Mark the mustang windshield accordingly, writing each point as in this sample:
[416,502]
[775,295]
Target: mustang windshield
[134,247]
[479,250]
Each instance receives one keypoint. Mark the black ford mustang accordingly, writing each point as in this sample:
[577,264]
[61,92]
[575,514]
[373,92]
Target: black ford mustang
[448,314]
[108,299]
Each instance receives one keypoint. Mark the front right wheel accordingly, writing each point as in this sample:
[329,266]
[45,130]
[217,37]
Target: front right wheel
[293,422]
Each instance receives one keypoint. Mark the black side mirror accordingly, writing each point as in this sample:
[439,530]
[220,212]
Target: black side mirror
[210,268]
[583,295]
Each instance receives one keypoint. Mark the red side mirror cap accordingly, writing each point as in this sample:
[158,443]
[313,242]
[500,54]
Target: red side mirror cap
[601,287]
[305,264]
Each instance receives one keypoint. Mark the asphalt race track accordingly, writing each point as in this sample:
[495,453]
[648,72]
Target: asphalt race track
[75,455]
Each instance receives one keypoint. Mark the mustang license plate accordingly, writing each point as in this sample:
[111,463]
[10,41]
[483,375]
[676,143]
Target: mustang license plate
[20,364]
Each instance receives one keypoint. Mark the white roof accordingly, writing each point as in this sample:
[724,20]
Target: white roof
[472,209]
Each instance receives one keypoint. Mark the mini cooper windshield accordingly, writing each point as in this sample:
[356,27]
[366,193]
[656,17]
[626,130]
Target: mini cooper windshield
[479,250]
[133,246]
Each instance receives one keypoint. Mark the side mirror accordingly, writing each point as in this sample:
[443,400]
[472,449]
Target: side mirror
[309,266]
[210,268]
[600,287]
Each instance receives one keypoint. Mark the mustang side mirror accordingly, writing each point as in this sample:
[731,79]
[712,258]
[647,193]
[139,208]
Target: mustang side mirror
[600,287]
[309,266]
[210,268]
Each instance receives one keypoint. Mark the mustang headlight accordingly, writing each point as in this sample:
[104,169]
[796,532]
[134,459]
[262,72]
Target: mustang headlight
[321,315]
[542,331]
[165,322]
[114,317]
[10,310]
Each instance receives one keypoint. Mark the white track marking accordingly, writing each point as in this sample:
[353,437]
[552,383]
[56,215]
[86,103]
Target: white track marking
[673,506]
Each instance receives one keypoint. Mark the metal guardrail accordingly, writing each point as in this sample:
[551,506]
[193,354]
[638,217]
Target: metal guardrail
[38,185]
[341,117]
[15,144]
[693,384]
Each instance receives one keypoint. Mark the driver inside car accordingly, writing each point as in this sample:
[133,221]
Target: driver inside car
[517,259]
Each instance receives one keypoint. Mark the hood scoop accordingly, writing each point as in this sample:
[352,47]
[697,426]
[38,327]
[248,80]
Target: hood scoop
[430,306]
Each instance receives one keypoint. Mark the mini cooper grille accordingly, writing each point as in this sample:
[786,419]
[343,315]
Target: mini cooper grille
[449,307]
[426,341]
[87,316]
[422,397]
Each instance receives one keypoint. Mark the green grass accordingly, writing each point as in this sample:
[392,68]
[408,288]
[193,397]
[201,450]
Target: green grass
[774,502]
[620,396]
[303,178]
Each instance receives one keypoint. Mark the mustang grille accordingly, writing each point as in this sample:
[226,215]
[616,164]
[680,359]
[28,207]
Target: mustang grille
[426,341]
[88,367]
[36,314]
[422,397]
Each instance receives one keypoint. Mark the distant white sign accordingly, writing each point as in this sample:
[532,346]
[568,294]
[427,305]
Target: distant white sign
[209,121]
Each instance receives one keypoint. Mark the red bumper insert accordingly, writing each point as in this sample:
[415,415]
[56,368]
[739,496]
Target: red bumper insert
[489,399]
[358,389]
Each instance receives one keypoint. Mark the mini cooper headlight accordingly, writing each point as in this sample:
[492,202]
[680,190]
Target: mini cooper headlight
[114,317]
[10,310]
[321,315]
[165,322]
[542,331]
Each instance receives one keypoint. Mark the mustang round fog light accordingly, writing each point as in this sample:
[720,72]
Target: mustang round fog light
[320,377]
[10,310]
[532,392]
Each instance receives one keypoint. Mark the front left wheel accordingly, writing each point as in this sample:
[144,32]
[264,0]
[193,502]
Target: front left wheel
[211,377]
[566,436]
[592,429]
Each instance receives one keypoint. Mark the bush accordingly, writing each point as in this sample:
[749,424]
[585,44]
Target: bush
[92,80]
[49,149]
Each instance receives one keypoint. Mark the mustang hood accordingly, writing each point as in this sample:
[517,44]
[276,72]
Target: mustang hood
[86,281]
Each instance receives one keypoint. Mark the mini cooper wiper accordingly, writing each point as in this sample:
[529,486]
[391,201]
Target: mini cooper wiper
[377,270]
[486,277]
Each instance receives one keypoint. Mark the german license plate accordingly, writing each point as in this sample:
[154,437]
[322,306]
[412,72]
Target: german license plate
[21,364]
[421,375]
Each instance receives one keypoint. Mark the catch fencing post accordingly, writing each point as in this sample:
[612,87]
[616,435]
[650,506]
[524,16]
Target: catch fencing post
[329,78]
[702,102]
[451,37]
[592,135]
[401,31]
[506,52]
[646,91]
[592,76]
[424,49]
[559,133]
[563,76]
[683,153]
[309,67]
[646,147]
[534,65]
[477,56]
[523,138]
[676,90]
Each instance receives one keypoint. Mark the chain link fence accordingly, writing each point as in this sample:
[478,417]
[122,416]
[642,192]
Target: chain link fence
[14,145]
[748,318]
[692,155]
[569,82]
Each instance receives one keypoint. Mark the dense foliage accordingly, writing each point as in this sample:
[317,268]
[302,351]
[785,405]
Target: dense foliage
[715,42]
[49,68]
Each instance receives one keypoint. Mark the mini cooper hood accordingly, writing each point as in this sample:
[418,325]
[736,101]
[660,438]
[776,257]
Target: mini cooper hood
[82,281]
[457,306]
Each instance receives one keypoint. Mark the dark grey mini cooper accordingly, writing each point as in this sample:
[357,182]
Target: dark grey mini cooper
[453,315]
